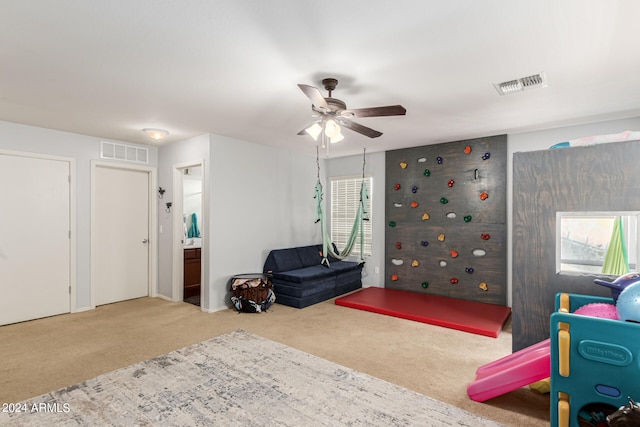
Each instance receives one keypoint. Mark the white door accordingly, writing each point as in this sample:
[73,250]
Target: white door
[34,238]
[120,256]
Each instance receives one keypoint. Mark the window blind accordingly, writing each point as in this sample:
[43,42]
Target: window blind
[345,199]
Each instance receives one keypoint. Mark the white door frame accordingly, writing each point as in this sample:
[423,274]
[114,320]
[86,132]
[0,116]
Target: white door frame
[177,209]
[153,222]
[72,217]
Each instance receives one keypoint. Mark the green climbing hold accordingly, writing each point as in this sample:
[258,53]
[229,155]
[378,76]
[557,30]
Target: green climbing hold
[427,172]
[392,223]
[467,218]
[444,201]
[425,285]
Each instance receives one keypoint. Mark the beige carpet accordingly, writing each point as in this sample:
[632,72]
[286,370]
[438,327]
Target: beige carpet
[48,354]
[239,379]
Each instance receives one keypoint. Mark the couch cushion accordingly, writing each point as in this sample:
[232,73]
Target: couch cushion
[282,260]
[310,255]
[345,266]
[301,290]
[306,274]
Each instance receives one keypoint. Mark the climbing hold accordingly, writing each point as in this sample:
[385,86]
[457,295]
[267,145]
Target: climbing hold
[454,281]
[424,243]
[479,252]
[397,205]
[454,254]
[485,236]
[439,160]
[422,159]
[469,270]
[444,200]
[414,189]
[414,204]
[403,165]
[483,286]
[486,156]
[425,216]
[442,263]
[425,285]
[397,187]
[397,261]
[415,263]
[394,277]
[398,245]
[484,195]
[427,172]
[467,149]
[467,218]
[392,223]
[441,237]
[451,215]
[450,183]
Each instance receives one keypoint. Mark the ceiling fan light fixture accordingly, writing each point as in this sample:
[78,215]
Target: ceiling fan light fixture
[314,131]
[156,134]
[331,129]
[336,138]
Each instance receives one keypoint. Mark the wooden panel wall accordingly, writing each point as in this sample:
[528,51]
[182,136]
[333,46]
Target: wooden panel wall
[597,178]
[413,239]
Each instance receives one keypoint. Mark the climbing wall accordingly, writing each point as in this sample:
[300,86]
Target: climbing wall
[445,219]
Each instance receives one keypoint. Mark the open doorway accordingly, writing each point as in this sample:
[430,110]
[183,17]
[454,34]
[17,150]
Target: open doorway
[189,235]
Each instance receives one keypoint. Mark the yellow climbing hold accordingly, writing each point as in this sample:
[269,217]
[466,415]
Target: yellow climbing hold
[403,165]
[415,263]
[425,216]
[441,237]
[483,286]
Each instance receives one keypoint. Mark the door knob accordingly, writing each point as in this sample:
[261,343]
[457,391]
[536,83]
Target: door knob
[145,240]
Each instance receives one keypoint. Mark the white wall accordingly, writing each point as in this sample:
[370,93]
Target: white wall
[83,149]
[261,199]
[194,150]
[374,166]
[256,198]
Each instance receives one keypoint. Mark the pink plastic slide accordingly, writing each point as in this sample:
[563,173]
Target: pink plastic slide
[516,370]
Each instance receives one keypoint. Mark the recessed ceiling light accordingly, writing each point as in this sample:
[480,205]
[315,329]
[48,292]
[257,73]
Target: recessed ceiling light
[521,84]
[156,134]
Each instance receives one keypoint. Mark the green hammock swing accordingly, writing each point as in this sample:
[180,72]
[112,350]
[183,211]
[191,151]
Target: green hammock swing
[616,260]
[361,215]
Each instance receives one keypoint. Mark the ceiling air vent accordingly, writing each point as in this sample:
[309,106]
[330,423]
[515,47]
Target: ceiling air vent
[519,85]
[127,153]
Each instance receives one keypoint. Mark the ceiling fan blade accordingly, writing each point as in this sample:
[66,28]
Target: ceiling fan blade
[357,127]
[315,96]
[390,110]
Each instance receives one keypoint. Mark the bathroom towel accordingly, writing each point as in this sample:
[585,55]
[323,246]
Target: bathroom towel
[193,230]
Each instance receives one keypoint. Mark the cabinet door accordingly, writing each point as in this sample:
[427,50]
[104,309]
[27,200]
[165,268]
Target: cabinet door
[192,267]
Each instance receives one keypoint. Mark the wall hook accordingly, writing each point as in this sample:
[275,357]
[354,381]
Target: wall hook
[161,192]
[168,209]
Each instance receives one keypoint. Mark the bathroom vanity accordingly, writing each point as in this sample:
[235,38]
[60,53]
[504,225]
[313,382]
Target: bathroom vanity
[192,268]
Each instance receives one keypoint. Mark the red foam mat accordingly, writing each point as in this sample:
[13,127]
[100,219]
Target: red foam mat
[469,316]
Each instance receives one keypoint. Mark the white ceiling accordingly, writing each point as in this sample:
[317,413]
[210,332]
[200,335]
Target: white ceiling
[231,67]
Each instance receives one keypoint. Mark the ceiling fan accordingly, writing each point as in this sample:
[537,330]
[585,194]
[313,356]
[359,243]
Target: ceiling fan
[333,112]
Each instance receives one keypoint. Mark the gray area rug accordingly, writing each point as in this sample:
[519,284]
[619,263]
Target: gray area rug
[237,379]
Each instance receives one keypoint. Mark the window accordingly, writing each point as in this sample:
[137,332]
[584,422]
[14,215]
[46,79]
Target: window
[345,199]
[582,239]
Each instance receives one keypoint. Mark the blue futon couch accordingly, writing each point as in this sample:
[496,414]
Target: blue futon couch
[299,279]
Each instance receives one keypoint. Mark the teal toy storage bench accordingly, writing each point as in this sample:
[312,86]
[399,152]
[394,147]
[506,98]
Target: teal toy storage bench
[595,363]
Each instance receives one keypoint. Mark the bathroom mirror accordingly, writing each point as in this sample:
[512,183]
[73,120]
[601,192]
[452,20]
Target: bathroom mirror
[192,206]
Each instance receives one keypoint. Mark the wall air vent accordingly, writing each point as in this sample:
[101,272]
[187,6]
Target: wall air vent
[522,84]
[126,153]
